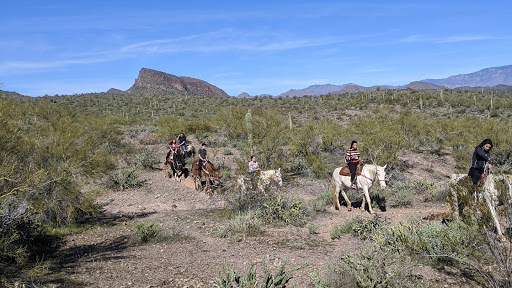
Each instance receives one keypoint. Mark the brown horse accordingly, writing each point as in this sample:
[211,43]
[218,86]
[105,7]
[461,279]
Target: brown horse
[208,171]
[176,165]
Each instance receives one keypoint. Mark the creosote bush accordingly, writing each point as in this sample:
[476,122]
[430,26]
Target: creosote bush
[247,223]
[373,267]
[127,177]
[146,232]
[361,227]
[47,152]
[278,210]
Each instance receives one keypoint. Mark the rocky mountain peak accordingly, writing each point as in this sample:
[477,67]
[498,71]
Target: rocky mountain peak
[152,81]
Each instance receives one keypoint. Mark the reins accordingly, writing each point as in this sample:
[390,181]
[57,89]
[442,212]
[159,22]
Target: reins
[376,176]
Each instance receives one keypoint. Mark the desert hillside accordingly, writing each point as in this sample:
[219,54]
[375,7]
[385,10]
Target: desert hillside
[87,200]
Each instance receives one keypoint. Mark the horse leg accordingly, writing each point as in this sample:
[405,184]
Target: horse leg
[367,196]
[455,205]
[344,194]
[363,203]
[336,195]
[493,213]
[208,187]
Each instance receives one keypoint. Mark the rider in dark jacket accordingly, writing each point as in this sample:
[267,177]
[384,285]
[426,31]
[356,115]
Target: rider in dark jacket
[203,158]
[182,142]
[481,160]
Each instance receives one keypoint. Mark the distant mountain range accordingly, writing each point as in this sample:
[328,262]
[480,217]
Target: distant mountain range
[495,78]
[153,82]
[486,77]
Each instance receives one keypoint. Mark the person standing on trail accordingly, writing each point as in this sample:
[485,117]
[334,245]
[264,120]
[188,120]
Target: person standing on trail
[480,160]
[352,158]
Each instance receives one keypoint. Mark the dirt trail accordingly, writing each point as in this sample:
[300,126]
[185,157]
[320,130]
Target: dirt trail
[105,257]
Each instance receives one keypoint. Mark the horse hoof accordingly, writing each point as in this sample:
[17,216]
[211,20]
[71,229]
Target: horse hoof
[349,209]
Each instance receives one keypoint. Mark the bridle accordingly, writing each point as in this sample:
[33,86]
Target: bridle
[374,178]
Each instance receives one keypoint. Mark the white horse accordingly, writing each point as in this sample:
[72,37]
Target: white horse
[265,179]
[369,175]
[490,194]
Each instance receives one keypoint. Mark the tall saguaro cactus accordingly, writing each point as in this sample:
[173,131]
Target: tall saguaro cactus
[248,123]
[290,120]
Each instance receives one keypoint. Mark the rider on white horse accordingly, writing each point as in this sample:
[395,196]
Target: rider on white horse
[253,166]
[352,157]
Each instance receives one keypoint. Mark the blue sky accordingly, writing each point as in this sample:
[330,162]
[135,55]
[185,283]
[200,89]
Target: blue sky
[261,47]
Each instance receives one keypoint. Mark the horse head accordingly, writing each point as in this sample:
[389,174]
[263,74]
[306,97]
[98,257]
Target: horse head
[177,158]
[380,176]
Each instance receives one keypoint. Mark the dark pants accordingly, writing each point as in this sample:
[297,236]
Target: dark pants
[475,173]
[167,156]
[353,168]
[184,148]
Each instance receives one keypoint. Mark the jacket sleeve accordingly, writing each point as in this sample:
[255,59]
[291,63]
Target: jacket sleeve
[482,154]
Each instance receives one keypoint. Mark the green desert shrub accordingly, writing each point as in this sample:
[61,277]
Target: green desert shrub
[146,232]
[127,177]
[361,227]
[400,197]
[323,201]
[146,158]
[372,267]
[279,210]
[247,223]
[47,152]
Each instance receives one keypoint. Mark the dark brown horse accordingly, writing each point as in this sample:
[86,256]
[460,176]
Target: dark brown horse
[208,171]
[176,165]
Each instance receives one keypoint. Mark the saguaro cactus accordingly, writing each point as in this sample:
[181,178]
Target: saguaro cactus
[248,123]
[290,120]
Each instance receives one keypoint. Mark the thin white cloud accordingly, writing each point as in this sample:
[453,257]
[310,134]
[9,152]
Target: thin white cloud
[447,39]
[464,38]
[13,67]
[224,40]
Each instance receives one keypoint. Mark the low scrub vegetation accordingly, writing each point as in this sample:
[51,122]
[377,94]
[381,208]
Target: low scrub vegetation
[52,147]
[147,232]
[227,278]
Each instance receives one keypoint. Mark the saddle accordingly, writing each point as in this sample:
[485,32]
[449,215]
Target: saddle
[346,172]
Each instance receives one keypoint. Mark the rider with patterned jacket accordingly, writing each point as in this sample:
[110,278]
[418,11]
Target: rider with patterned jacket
[352,157]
